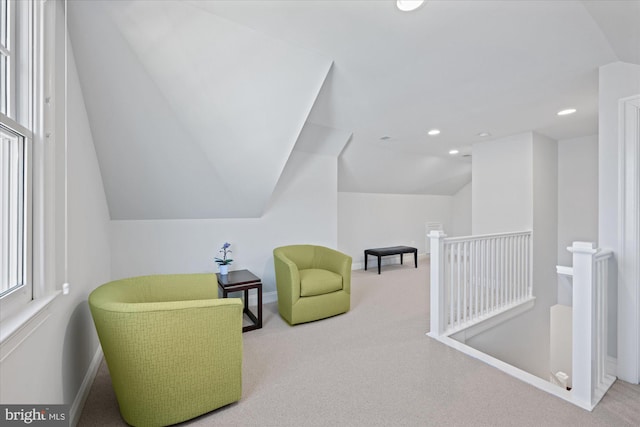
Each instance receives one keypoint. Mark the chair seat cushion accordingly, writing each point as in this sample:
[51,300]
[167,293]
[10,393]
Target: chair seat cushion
[314,281]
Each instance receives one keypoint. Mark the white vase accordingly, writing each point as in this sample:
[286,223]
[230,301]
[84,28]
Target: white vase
[224,269]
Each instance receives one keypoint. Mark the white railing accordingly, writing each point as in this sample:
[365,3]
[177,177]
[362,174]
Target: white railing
[474,278]
[592,269]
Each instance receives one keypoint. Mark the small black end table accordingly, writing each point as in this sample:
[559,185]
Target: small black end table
[392,250]
[243,280]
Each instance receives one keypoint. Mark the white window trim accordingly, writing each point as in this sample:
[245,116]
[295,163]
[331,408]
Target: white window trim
[17,328]
[21,321]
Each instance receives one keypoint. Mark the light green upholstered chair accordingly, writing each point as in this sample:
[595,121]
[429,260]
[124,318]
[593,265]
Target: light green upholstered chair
[313,282]
[174,350]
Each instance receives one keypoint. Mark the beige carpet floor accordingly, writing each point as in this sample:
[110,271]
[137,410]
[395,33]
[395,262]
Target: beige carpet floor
[374,366]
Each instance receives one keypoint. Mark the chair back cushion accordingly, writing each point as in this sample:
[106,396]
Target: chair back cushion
[125,294]
[301,255]
[314,281]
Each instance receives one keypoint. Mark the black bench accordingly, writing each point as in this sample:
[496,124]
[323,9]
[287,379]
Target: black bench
[392,250]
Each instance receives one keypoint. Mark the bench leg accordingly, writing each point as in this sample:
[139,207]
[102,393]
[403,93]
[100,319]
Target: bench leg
[415,258]
[378,264]
[365,261]
[401,259]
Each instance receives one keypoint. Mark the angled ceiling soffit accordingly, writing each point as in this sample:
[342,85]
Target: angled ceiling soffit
[193,116]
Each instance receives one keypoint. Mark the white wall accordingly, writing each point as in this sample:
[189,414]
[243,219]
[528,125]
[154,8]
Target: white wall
[616,81]
[461,216]
[560,340]
[303,209]
[515,189]
[50,365]
[577,201]
[213,122]
[545,241]
[502,185]
[369,220]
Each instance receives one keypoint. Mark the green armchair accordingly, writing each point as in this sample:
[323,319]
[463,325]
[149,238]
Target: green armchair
[313,282]
[173,349]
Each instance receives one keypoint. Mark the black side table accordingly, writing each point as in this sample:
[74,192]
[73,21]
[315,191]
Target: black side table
[243,280]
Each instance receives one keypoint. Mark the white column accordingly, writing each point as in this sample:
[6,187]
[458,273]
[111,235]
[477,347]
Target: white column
[437,283]
[584,342]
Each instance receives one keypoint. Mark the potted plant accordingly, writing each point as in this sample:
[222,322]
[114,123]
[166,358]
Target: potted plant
[224,262]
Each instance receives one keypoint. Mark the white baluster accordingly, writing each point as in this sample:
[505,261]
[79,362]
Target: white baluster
[458,284]
[476,277]
[481,275]
[450,283]
[518,262]
[510,269]
[494,273]
[465,305]
[499,259]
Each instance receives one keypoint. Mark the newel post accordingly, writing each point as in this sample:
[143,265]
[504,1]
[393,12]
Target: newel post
[437,283]
[583,354]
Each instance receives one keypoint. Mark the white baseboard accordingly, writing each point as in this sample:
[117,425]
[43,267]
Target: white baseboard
[492,321]
[550,387]
[611,366]
[78,403]
[513,371]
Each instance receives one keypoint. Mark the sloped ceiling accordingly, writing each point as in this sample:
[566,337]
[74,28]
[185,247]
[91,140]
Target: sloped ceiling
[620,23]
[193,116]
[172,89]
[463,67]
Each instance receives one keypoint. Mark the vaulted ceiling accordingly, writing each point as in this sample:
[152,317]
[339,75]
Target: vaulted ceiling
[195,106]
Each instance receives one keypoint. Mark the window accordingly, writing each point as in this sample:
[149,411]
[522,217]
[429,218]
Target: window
[5,57]
[19,84]
[13,210]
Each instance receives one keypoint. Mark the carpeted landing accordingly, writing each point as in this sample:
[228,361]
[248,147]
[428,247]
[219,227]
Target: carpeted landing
[374,366]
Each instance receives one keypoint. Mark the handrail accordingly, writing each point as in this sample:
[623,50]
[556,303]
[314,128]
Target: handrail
[602,254]
[485,236]
[564,270]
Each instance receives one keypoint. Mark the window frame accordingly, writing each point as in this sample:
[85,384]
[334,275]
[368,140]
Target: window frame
[21,295]
[34,118]
[7,49]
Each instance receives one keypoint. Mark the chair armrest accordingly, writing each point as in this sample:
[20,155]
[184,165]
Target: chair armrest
[287,278]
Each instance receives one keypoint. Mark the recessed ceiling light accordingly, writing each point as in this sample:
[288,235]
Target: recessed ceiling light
[433,132]
[453,152]
[484,134]
[408,5]
[385,138]
[567,112]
